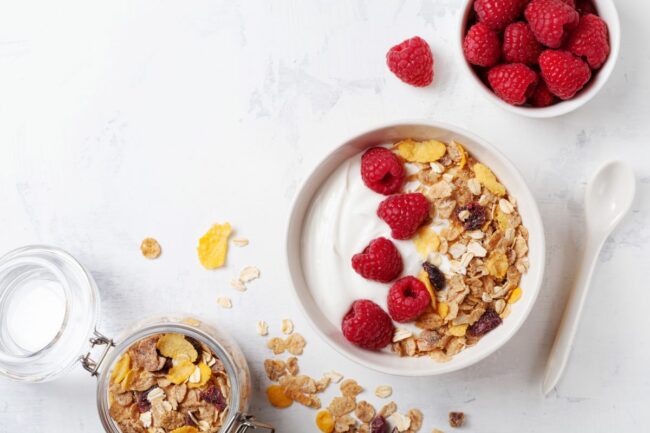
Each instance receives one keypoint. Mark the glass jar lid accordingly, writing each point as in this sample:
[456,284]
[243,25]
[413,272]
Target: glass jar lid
[48,311]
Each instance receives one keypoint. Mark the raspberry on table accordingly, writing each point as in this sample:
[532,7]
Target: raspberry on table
[379,261]
[497,14]
[520,45]
[542,97]
[408,297]
[367,325]
[404,213]
[382,171]
[590,40]
[412,62]
[513,82]
[551,21]
[564,73]
[481,45]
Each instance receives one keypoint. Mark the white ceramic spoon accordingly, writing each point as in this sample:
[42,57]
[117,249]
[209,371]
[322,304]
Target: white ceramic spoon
[609,196]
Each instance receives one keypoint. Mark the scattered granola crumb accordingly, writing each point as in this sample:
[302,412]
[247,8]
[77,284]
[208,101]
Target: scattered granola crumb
[456,419]
[240,242]
[248,274]
[383,391]
[237,284]
[277,345]
[287,326]
[350,388]
[262,328]
[400,421]
[295,344]
[150,248]
[224,302]
[333,376]
[435,430]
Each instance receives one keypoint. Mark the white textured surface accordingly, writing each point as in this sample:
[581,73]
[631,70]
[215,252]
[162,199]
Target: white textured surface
[121,119]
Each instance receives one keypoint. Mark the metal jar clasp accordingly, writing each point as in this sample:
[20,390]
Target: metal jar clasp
[244,423]
[96,340]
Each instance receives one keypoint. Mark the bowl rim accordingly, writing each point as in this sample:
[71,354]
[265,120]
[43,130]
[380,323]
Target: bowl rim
[560,108]
[534,217]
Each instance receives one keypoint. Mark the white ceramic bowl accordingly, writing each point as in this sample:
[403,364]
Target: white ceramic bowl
[385,361]
[607,11]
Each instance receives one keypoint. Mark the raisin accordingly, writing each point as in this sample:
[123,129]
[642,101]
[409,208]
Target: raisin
[436,277]
[213,395]
[476,218]
[456,419]
[487,322]
[378,425]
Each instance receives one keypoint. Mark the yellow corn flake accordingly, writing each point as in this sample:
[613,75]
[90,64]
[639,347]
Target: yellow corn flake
[463,155]
[185,429]
[426,240]
[180,372]
[443,309]
[488,179]
[128,380]
[122,367]
[424,277]
[497,264]
[502,219]
[458,330]
[515,295]
[213,246]
[206,373]
[325,421]
[175,346]
[150,248]
[421,151]
[277,397]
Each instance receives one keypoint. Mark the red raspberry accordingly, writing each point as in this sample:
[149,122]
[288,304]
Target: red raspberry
[367,325]
[382,171]
[520,45]
[513,82]
[497,14]
[481,45]
[585,7]
[564,73]
[404,213]
[542,96]
[590,41]
[551,21]
[571,3]
[379,261]
[407,299]
[412,62]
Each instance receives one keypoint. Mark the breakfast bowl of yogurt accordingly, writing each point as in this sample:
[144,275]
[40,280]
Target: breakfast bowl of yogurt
[415,249]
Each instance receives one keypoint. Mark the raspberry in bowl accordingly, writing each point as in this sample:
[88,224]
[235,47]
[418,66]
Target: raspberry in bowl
[539,58]
[429,264]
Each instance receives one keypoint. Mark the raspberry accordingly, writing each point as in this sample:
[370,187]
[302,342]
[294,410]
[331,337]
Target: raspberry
[367,325]
[585,7]
[412,62]
[497,14]
[564,73]
[486,323]
[476,215]
[590,40]
[404,213]
[513,82]
[481,45]
[379,261]
[382,171]
[520,45]
[551,21]
[407,299]
[542,96]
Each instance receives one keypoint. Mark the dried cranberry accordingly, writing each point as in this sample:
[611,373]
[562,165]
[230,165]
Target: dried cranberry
[436,277]
[141,400]
[213,395]
[476,218]
[456,419]
[487,322]
[378,425]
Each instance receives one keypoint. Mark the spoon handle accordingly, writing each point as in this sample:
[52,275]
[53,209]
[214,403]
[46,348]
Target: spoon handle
[568,326]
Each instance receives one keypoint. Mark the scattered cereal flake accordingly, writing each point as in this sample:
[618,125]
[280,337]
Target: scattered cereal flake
[416,420]
[488,179]
[150,248]
[435,430]
[248,274]
[275,369]
[175,346]
[421,151]
[213,246]
[424,277]
[497,264]
[277,397]
[277,345]
[287,326]
[344,423]
[340,406]
[388,409]
[292,366]
[238,284]
[458,330]
[515,295]
[401,334]
[145,419]
[224,302]
[240,242]
[400,421]
[426,241]
[350,388]
[122,367]
[295,344]
[325,421]
[181,372]
[505,206]
[443,309]
[384,391]
[185,429]
[456,419]
[364,411]
[262,328]
[333,376]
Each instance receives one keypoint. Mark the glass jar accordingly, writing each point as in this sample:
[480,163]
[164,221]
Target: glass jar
[49,308]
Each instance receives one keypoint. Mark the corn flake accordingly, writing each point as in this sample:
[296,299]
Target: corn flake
[424,277]
[325,421]
[463,154]
[175,346]
[185,429]
[150,248]
[426,240]
[515,295]
[421,151]
[181,372]
[122,367]
[205,374]
[277,397]
[443,309]
[488,179]
[458,330]
[213,246]
[497,264]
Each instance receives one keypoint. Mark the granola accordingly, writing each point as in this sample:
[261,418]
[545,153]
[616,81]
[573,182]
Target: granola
[168,383]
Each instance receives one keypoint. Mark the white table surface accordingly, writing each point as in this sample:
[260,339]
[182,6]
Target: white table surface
[122,119]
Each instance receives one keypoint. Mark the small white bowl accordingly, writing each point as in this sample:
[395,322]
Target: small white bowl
[607,11]
[388,362]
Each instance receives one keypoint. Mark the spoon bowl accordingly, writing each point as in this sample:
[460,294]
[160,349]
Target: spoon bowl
[609,197]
